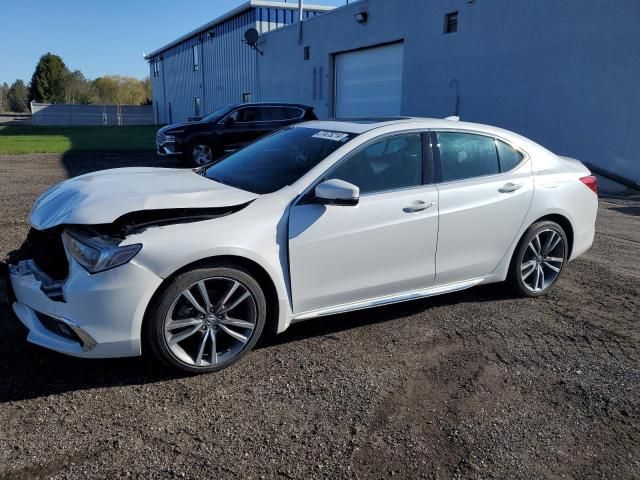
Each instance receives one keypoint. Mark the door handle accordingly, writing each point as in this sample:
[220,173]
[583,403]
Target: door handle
[509,187]
[417,206]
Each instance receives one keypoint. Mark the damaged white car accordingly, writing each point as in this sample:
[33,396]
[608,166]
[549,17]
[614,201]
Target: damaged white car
[313,220]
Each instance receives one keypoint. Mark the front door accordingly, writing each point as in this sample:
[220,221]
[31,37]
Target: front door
[383,246]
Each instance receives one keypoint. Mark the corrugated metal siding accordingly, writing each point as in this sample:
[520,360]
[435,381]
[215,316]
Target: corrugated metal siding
[182,82]
[228,67]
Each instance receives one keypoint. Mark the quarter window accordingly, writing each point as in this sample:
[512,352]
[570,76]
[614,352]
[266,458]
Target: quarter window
[509,156]
[465,155]
[388,164]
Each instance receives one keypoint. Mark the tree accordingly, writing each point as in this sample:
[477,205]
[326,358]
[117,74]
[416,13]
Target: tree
[49,80]
[18,97]
[78,89]
[4,97]
[121,90]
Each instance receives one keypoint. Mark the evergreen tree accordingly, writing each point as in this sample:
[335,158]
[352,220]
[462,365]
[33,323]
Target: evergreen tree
[48,84]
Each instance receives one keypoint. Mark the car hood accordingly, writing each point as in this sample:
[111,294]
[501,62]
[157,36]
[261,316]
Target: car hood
[177,126]
[102,197]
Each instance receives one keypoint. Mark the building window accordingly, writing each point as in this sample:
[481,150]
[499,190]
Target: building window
[307,53]
[196,57]
[156,68]
[246,97]
[197,106]
[451,22]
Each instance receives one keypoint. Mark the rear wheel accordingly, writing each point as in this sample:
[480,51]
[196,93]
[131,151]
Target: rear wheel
[539,259]
[207,319]
[200,153]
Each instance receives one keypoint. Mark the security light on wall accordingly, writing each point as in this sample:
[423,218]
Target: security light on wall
[361,17]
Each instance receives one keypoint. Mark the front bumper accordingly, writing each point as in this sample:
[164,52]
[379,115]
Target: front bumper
[168,150]
[93,316]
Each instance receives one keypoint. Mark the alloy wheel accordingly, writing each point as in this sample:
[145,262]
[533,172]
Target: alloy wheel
[210,322]
[542,260]
[202,154]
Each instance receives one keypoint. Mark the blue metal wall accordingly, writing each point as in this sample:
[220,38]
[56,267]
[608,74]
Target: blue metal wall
[228,67]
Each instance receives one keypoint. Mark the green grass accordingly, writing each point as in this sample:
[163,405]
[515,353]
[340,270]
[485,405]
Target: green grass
[25,139]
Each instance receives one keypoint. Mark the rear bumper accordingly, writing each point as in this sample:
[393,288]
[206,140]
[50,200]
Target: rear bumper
[96,316]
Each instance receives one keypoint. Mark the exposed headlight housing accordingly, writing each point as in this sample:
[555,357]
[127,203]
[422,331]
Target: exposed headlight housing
[97,254]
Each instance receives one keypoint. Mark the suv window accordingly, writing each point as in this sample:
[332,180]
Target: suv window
[388,164]
[509,156]
[465,155]
[291,113]
[271,114]
[248,114]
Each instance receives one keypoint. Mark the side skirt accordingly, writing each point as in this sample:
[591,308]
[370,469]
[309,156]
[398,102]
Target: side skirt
[386,300]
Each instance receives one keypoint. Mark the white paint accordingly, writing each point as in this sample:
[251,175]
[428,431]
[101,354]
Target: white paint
[342,257]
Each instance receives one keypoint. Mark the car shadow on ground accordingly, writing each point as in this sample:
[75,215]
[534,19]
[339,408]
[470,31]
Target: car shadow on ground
[28,371]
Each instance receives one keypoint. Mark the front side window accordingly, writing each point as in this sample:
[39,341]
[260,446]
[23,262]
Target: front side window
[465,155]
[246,115]
[277,160]
[196,57]
[390,164]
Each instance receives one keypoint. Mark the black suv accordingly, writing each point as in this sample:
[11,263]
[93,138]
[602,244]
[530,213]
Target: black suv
[227,130]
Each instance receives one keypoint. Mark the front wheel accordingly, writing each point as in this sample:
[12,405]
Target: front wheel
[206,319]
[538,259]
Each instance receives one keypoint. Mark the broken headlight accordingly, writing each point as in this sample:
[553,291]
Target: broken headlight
[97,254]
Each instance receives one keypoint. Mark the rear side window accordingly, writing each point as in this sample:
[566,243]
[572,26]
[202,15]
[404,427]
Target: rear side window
[271,114]
[509,156]
[465,155]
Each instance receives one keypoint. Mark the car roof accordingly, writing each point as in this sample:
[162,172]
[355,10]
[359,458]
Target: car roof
[271,104]
[362,125]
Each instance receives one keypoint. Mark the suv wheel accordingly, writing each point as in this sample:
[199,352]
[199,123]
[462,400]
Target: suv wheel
[200,153]
[206,319]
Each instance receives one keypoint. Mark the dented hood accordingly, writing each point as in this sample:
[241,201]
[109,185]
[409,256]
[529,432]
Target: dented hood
[104,196]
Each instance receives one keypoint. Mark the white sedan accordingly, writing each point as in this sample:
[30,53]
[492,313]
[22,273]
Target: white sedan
[317,219]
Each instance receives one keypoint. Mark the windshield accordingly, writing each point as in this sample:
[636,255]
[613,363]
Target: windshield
[279,159]
[217,114]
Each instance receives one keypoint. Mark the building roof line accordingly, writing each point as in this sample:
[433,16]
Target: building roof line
[232,13]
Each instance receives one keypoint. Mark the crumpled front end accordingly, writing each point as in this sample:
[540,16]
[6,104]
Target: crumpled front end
[72,311]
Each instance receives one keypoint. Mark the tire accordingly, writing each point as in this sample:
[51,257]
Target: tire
[235,318]
[200,153]
[537,265]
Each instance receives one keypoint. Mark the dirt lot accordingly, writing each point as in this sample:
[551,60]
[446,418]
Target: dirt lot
[470,385]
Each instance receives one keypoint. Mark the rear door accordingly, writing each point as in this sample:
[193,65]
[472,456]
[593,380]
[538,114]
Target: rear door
[485,189]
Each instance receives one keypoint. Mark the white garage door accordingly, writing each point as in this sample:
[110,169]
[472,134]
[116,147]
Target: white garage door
[369,82]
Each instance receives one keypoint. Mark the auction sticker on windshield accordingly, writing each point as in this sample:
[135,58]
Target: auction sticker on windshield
[335,136]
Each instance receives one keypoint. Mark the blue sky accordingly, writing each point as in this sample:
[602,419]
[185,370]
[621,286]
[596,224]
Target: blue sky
[99,37]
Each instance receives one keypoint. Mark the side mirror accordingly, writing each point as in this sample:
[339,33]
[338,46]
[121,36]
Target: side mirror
[229,121]
[337,192]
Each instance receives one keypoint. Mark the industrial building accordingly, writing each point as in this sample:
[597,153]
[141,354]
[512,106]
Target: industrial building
[211,66]
[562,73]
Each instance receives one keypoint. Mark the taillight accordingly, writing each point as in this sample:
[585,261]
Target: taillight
[592,182]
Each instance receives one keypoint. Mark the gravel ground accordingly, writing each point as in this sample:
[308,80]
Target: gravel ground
[469,385]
